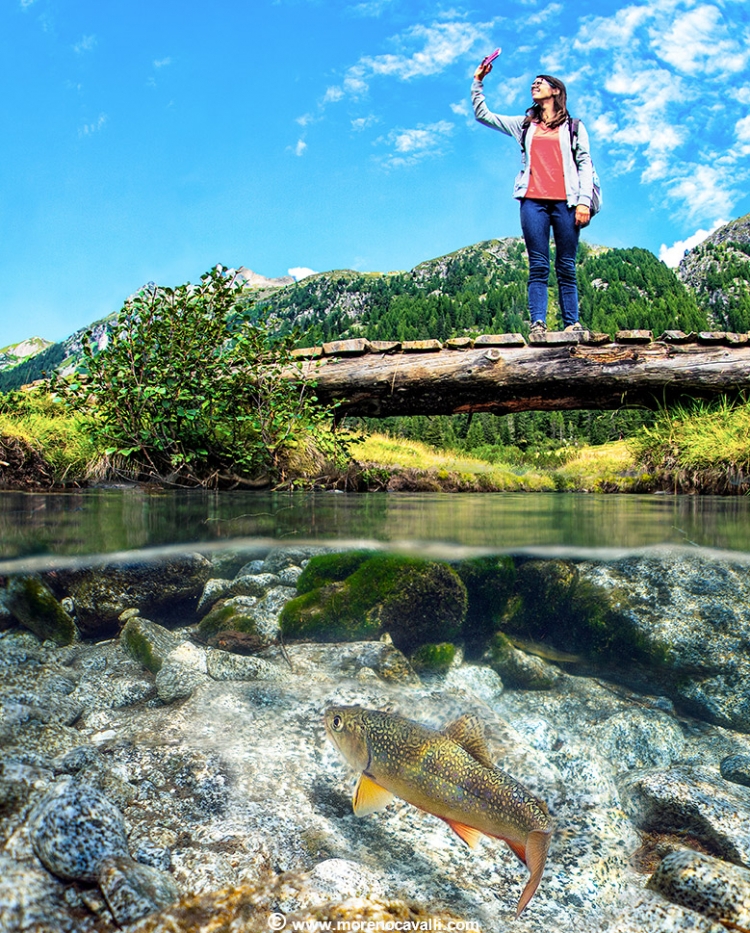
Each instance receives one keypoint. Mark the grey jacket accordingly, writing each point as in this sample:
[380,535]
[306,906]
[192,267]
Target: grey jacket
[577,167]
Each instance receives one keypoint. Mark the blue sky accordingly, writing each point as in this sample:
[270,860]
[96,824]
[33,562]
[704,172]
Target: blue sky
[147,140]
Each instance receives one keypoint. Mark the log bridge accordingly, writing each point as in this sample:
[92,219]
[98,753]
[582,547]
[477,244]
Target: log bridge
[503,373]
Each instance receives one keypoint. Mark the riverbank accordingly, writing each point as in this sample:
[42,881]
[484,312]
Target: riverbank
[705,450]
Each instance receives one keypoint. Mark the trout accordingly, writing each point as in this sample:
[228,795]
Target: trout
[449,774]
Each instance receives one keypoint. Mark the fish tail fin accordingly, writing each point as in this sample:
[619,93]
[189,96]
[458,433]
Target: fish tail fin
[537,845]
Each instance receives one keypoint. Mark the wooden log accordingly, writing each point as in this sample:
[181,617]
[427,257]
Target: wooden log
[509,379]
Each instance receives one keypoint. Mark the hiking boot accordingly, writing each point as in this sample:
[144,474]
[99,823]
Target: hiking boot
[576,328]
[538,327]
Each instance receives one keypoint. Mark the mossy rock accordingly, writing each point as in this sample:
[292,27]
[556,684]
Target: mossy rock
[552,604]
[147,643]
[330,568]
[35,606]
[415,601]
[230,615]
[516,668]
[489,582]
[434,657]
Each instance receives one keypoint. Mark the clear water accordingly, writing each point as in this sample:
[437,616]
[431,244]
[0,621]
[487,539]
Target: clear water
[38,530]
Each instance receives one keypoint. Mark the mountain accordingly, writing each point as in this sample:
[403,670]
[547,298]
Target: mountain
[18,352]
[480,289]
[718,272]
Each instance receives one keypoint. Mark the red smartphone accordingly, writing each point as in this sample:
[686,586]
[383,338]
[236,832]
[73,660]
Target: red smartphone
[490,58]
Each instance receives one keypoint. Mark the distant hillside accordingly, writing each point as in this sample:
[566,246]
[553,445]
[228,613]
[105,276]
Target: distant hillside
[481,288]
[18,352]
[718,271]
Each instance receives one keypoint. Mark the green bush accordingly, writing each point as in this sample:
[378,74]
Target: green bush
[188,388]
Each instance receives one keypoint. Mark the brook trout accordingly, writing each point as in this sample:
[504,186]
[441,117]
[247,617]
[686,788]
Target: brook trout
[449,774]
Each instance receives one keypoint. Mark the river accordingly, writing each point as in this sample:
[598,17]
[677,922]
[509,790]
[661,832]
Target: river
[601,640]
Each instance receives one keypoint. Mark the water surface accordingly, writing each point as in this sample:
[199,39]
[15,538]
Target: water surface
[36,529]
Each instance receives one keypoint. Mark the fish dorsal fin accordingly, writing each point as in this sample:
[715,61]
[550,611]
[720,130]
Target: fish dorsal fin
[468,732]
[369,797]
[537,844]
[469,835]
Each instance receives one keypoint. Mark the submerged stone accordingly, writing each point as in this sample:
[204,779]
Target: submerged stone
[74,828]
[133,890]
[148,643]
[35,606]
[414,601]
[707,885]
[736,768]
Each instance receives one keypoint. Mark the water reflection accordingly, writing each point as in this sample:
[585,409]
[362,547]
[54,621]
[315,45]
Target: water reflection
[107,521]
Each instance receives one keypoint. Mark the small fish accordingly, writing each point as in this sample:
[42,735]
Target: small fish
[543,651]
[449,774]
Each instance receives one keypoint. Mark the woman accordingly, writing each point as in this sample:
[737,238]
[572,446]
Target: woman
[554,186]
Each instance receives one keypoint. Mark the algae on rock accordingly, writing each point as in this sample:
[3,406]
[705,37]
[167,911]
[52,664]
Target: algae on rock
[415,601]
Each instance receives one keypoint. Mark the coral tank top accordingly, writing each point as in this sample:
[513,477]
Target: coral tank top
[547,181]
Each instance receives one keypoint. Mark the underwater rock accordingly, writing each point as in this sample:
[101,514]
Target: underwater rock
[694,800]
[73,828]
[650,913]
[517,668]
[434,657]
[32,900]
[166,591]
[148,643]
[282,557]
[222,665]
[707,885]
[640,738]
[35,606]
[132,890]
[213,591]
[489,582]
[736,768]
[183,670]
[693,615]
[414,601]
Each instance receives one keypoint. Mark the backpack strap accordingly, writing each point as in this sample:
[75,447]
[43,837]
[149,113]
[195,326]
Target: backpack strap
[572,129]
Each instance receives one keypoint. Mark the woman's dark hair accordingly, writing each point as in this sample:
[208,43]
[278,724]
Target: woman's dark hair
[534,113]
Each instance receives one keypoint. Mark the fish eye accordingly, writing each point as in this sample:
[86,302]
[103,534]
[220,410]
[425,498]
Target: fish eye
[337,723]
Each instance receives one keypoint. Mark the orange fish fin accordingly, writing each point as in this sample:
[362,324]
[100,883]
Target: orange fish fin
[537,845]
[369,797]
[469,835]
[468,732]
[518,847]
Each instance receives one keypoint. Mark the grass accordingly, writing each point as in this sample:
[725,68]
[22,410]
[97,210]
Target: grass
[59,444]
[701,447]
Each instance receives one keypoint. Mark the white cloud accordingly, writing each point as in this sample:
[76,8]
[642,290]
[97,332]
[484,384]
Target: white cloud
[653,82]
[742,129]
[300,147]
[461,108]
[412,145]
[300,272]
[89,129]
[86,44]
[697,41]
[704,190]
[672,255]
[362,123]
[162,62]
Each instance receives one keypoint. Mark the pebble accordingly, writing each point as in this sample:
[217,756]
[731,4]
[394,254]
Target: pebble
[736,768]
[711,887]
[73,828]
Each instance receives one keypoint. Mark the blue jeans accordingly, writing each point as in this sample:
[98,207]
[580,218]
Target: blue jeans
[537,217]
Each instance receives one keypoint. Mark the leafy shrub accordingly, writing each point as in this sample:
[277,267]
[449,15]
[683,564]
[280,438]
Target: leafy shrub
[188,388]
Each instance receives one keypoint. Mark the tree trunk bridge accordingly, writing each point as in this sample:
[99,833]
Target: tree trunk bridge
[504,374]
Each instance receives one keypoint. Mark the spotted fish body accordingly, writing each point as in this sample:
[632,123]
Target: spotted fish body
[449,774]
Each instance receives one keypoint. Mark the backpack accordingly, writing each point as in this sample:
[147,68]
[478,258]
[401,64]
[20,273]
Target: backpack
[596,194]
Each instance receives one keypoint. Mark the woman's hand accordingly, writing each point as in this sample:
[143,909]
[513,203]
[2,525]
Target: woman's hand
[583,216]
[482,71]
